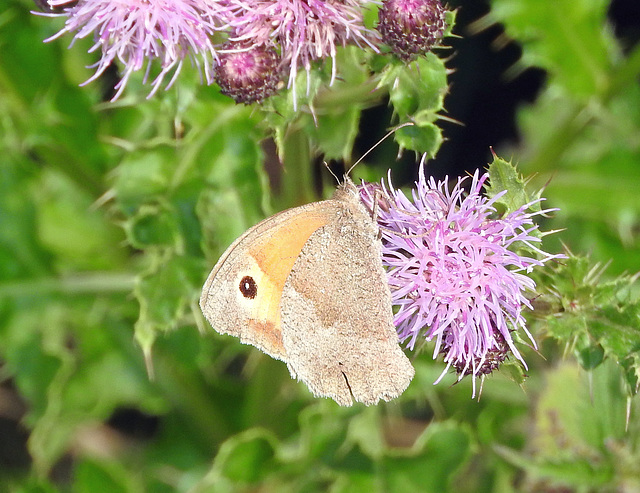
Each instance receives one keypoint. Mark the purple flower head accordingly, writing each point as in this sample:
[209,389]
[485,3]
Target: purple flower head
[453,274]
[138,31]
[305,30]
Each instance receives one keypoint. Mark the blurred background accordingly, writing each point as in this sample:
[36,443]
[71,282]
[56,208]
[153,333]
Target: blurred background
[112,214]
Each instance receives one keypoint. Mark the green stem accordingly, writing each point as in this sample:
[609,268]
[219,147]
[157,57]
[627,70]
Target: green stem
[191,398]
[627,74]
[297,180]
[363,95]
[86,283]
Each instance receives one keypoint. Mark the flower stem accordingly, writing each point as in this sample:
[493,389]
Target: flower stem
[84,283]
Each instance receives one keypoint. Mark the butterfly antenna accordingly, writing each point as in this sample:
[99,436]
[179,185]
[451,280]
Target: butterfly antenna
[390,132]
[326,165]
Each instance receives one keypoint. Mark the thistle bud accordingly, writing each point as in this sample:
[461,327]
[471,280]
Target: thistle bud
[248,74]
[482,365]
[411,27]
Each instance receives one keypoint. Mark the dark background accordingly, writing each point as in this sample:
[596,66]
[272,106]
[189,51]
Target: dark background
[482,98]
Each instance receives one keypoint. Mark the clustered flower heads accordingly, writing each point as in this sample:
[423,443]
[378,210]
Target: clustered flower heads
[135,32]
[454,276]
[305,30]
[295,32]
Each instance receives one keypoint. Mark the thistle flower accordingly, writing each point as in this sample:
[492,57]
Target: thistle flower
[453,274]
[411,27]
[305,30]
[248,75]
[136,32]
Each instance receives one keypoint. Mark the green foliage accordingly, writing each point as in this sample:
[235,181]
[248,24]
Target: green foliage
[362,462]
[111,216]
[416,93]
[579,442]
[581,133]
[594,318]
[505,179]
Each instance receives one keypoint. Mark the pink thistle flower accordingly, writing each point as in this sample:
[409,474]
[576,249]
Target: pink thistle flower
[305,30]
[136,32]
[453,273]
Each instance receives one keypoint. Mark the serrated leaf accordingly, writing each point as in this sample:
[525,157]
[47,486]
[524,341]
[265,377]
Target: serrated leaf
[503,176]
[417,88]
[423,138]
[597,314]
[165,293]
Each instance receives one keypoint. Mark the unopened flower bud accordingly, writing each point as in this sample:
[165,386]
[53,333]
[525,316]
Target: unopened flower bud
[411,27]
[248,75]
[486,364]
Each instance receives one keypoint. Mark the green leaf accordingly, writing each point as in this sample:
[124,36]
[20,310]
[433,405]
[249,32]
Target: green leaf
[418,87]
[417,92]
[426,138]
[355,482]
[365,431]
[143,175]
[336,133]
[576,136]
[596,316]
[572,430]
[247,457]
[504,177]
[71,229]
[165,293]
[31,485]
[591,356]
[431,464]
[93,475]
[335,124]
[154,226]
[568,38]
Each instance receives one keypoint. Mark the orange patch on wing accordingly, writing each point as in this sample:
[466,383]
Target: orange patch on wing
[265,332]
[275,256]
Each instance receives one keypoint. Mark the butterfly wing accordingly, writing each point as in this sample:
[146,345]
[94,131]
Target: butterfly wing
[337,321]
[242,295]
